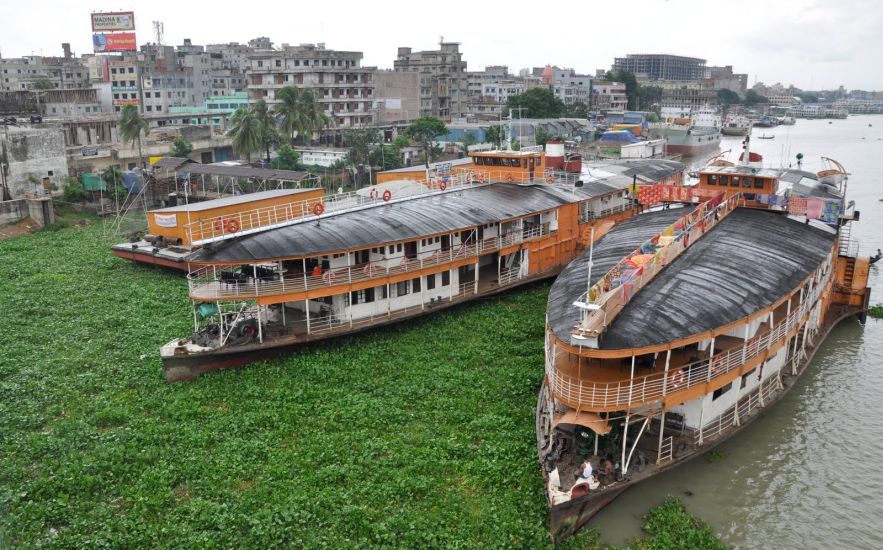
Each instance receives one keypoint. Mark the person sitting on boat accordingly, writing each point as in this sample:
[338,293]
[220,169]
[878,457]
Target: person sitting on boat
[585,470]
[607,472]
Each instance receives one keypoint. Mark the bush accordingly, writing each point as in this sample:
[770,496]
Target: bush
[73,190]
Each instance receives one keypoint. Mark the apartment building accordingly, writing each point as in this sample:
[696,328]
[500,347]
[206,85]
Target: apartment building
[343,88]
[651,67]
[62,73]
[443,79]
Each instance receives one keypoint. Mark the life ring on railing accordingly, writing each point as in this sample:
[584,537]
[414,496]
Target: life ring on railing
[328,277]
[369,270]
[219,225]
[550,179]
[404,264]
[469,177]
[509,178]
[442,185]
[373,193]
[318,208]
[387,195]
[479,177]
[232,226]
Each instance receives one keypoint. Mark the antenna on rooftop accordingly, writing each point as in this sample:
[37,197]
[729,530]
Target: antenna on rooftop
[158,31]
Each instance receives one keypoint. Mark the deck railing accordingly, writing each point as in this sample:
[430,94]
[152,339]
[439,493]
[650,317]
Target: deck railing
[613,291]
[208,283]
[653,387]
[736,412]
[229,226]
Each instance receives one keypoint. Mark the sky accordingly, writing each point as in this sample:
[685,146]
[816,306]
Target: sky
[809,43]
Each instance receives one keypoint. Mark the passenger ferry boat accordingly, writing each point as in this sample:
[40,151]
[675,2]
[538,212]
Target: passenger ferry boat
[695,134]
[696,319]
[391,252]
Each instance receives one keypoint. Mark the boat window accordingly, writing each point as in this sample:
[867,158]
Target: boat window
[725,180]
[399,247]
[382,292]
[415,285]
[446,278]
[746,181]
[430,282]
[758,183]
[711,179]
[539,161]
[504,161]
[720,391]
[734,181]
[402,288]
[498,161]
[479,160]
[515,163]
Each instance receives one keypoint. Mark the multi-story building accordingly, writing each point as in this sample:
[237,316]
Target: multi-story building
[443,79]
[609,96]
[125,82]
[652,67]
[488,90]
[723,78]
[175,77]
[343,88]
[233,54]
[396,97]
[61,73]
[687,94]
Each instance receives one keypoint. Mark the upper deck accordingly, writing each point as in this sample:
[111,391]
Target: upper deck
[742,265]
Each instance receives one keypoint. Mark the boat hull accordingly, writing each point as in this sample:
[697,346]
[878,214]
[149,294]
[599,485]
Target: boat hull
[567,518]
[735,131]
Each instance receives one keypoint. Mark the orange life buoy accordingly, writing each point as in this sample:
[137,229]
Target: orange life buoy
[443,185]
[550,179]
[328,277]
[369,270]
[373,193]
[318,208]
[509,178]
[387,195]
[468,177]
[232,226]
[677,378]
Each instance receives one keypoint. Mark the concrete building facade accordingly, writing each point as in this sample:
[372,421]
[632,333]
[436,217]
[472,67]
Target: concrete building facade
[62,73]
[343,88]
[652,67]
[443,79]
[396,97]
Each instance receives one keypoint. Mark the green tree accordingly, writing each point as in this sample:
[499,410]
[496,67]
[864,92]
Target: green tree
[753,98]
[113,182]
[315,120]
[727,97]
[424,130]
[288,109]
[43,84]
[131,126]
[73,190]
[266,121]
[648,96]
[542,136]
[181,148]
[286,158]
[537,103]
[245,132]
[577,109]
[492,134]
[360,143]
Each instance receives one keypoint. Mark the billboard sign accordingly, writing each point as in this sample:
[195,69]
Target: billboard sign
[113,21]
[116,42]
[126,102]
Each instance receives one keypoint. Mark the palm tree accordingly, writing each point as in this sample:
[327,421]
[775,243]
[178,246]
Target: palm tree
[289,111]
[245,131]
[131,126]
[267,123]
[314,119]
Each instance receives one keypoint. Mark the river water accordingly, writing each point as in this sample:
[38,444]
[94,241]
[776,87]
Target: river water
[809,474]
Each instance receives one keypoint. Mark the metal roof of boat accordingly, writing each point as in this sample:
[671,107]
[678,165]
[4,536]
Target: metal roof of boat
[612,247]
[245,172]
[172,162]
[432,166]
[746,263]
[237,199]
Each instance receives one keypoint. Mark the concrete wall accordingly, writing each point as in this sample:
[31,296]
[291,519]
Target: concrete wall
[13,211]
[36,151]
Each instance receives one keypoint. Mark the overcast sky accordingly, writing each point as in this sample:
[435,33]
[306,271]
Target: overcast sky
[812,44]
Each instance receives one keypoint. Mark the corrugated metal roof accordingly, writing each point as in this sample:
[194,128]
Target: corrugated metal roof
[421,216]
[612,247]
[245,172]
[432,166]
[171,162]
[228,201]
[746,263]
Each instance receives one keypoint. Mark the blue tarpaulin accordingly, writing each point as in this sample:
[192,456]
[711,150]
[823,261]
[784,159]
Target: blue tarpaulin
[619,136]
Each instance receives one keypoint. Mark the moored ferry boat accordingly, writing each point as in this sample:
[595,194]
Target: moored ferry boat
[696,319]
[392,252]
[696,134]
[736,125]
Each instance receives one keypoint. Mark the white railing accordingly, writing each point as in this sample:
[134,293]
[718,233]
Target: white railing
[508,276]
[210,283]
[653,387]
[729,417]
[625,279]
[224,227]
[666,449]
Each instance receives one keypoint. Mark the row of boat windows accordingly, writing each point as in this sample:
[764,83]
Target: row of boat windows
[402,288]
[724,389]
[504,161]
[735,181]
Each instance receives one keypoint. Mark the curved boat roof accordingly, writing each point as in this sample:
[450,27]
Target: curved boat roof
[427,215]
[746,263]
